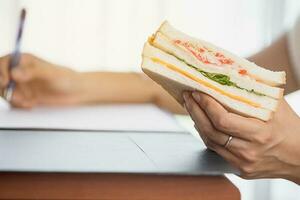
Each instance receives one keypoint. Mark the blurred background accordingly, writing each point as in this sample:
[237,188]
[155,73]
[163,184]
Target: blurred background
[89,35]
[109,34]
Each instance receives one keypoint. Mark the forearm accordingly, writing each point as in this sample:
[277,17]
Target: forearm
[276,58]
[112,87]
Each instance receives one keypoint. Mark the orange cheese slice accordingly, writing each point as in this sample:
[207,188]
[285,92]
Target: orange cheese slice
[207,84]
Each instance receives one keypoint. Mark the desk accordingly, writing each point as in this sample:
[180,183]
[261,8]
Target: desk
[115,187]
[109,175]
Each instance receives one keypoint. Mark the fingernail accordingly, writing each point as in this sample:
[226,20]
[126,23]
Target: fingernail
[187,106]
[185,96]
[196,96]
[186,101]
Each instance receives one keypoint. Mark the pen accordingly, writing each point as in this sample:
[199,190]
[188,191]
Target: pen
[15,57]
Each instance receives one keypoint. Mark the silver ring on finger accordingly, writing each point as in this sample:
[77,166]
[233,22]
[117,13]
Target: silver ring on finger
[226,145]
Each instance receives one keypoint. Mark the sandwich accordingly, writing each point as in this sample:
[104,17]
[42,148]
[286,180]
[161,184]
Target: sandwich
[179,62]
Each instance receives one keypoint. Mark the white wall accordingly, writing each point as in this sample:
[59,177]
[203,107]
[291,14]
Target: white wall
[8,19]
[109,34]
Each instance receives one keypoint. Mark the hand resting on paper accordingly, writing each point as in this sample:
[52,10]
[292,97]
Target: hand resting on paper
[42,83]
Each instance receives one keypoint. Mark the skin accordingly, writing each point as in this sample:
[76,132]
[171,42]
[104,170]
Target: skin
[42,83]
[276,57]
[259,149]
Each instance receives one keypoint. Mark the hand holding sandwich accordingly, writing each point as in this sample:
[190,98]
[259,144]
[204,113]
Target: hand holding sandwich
[259,149]
[237,106]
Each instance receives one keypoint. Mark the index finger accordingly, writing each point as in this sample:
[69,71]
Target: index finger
[225,121]
[4,73]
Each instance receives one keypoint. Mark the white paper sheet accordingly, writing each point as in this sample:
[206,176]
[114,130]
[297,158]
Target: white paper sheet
[140,117]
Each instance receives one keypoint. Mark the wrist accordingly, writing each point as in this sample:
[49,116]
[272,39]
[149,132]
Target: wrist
[71,86]
[82,86]
[112,87]
[87,86]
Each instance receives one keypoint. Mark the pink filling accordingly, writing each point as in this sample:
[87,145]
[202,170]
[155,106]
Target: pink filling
[201,54]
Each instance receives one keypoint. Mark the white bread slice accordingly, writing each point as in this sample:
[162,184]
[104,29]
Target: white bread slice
[162,42]
[259,73]
[175,84]
[265,102]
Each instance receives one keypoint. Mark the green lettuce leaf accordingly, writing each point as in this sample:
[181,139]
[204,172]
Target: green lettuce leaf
[225,80]
[221,79]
